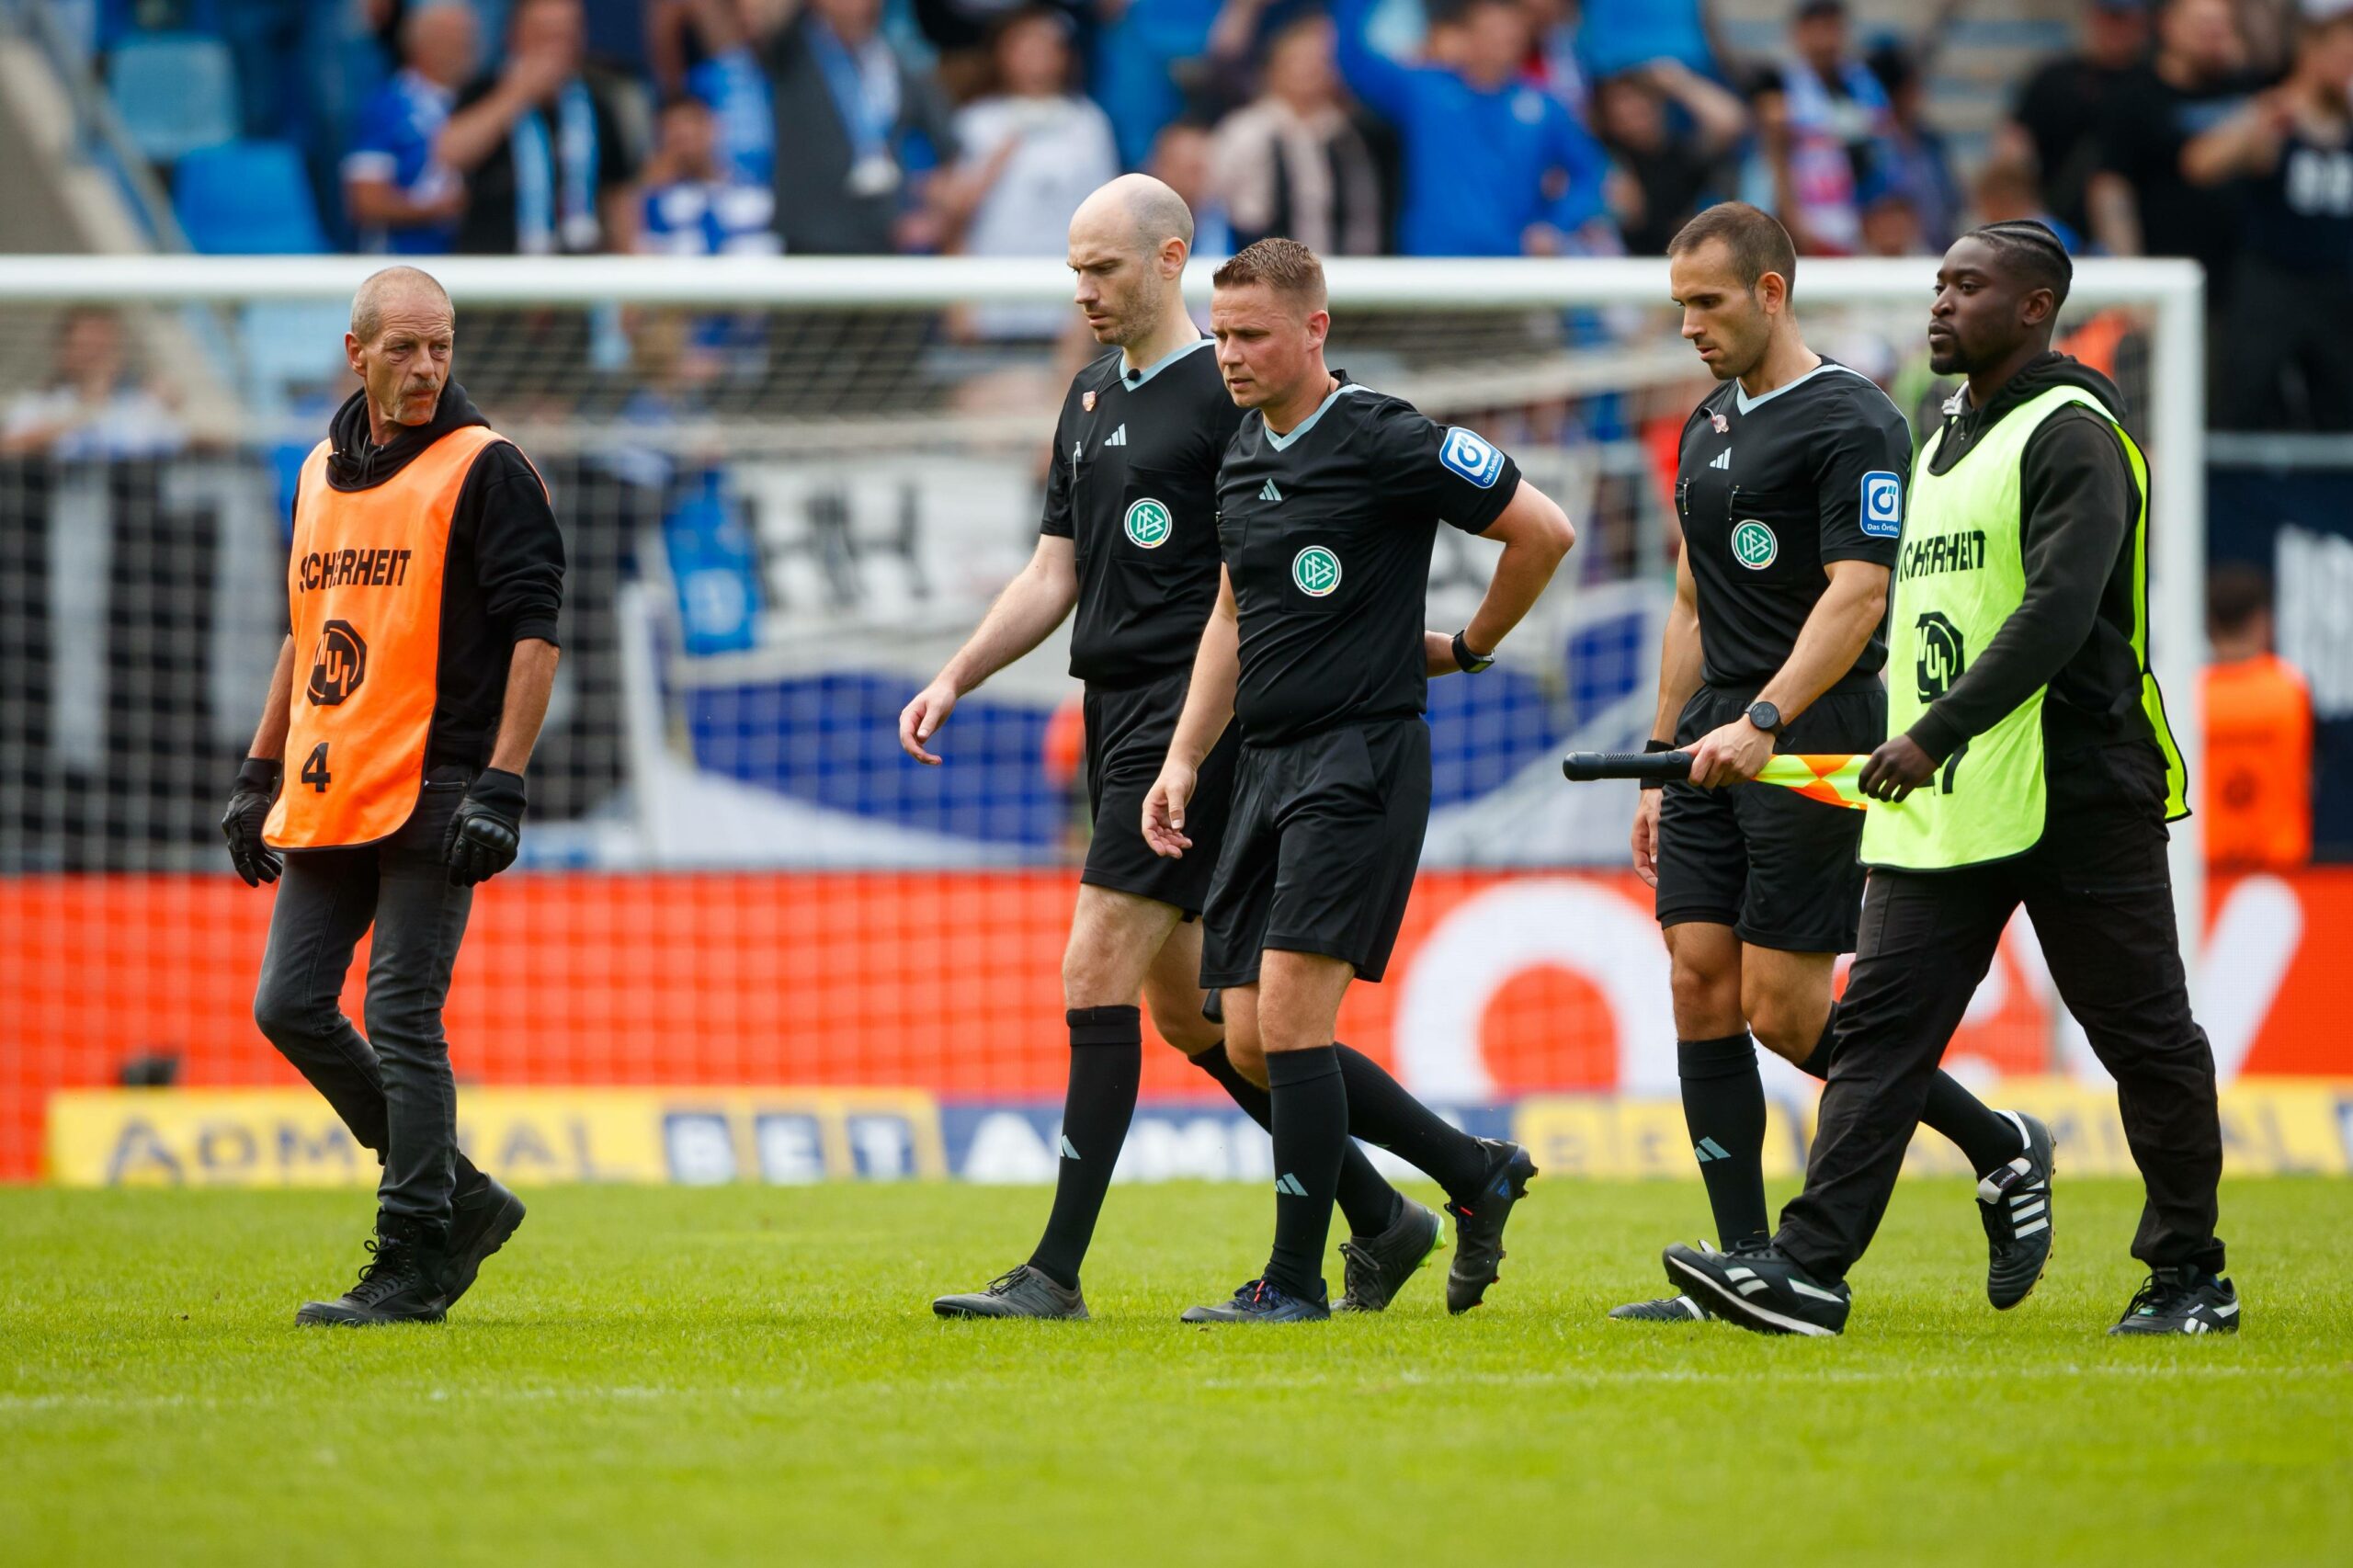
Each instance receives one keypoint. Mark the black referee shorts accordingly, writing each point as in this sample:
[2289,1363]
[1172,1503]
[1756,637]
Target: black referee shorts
[1128,731]
[1779,869]
[1321,854]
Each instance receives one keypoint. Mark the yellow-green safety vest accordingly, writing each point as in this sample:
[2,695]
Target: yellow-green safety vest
[1960,573]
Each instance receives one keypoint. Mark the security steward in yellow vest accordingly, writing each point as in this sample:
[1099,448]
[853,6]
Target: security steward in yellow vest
[424,585]
[2029,764]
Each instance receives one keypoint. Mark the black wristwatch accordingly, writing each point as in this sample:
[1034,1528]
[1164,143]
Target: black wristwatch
[1469,662]
[1765,716]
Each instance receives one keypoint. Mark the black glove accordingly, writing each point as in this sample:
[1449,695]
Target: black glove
[257,782]
[487,829]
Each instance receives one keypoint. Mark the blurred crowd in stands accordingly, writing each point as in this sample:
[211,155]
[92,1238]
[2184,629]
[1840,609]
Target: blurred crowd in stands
[2213,129]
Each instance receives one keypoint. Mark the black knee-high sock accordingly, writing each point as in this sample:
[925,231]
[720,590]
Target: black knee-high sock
[1723,1106]
[1369,1203]
[1311,1114]
[1380,1111]
[1105,1060]
[1989,1139]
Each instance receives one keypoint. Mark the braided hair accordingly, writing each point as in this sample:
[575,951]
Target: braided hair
[2034,253]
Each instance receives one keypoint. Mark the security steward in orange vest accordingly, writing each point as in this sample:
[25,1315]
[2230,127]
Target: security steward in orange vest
[2258,800]
[426,578]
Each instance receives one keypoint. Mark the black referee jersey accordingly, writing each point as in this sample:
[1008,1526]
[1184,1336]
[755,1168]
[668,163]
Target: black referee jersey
[1328,532]
[1771,490]
[1134,487]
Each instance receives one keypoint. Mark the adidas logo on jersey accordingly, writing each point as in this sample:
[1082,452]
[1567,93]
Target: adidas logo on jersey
[1117,437]
[1268,492]
[1723,460]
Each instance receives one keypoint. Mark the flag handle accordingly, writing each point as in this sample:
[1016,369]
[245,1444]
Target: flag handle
[1584,767]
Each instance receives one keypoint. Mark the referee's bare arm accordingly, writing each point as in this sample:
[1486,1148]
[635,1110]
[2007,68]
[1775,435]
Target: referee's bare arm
[1208,708]
[1841,625]
[1681,668]
[1535,534]
[1038,600]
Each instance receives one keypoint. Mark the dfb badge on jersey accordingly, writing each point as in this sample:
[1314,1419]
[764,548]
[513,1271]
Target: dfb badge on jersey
[1473,459]
[1087,402]
[1721,424]
[1883,504]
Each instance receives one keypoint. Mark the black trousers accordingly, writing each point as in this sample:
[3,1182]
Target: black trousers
[2100,895]
[392,1087]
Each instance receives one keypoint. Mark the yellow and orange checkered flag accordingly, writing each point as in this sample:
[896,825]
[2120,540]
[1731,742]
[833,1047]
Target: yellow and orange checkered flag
[1825,777]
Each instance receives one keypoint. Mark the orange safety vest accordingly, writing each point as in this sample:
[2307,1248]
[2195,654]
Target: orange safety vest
[364,585]
[2259,806]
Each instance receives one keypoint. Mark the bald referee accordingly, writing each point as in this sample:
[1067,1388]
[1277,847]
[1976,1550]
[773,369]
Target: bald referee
[1130,541]
[1791,493]
[1328,503]
[2028,763]
[424,586]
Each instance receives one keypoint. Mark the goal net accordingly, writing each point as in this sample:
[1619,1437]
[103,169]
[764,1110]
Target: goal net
[788,489]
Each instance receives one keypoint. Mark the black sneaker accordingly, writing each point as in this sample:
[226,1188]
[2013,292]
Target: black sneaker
[401,1283]
[2183,1299]
[1762,1291]
[1667,1309]
[480,1224]
[2015,1205]
[1022,1292]
[1478,1225]
[1260,1303]
[1378,1266]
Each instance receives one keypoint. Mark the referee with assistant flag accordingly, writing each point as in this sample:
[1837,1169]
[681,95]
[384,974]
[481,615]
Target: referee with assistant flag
[424,586]
[2028,763]
[1790,490]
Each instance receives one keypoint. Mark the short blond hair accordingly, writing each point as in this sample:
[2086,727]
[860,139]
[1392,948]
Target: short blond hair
[1284,265]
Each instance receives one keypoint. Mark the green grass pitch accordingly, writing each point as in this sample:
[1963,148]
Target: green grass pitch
[673,1377]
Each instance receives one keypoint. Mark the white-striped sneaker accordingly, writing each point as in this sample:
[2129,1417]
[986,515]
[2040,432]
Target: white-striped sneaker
[2015,1204]
[1763,1292]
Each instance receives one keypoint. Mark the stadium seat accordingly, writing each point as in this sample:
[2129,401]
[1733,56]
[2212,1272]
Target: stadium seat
[177,93]
[247,199]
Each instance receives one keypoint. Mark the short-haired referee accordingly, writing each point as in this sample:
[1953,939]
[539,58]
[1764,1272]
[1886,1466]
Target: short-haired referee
[1790,494]
[2028,763]
[424,588]
[1328,505]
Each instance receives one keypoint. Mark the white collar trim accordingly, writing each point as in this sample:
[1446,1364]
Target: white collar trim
[1281,442]
[1744,402]
[1132,380]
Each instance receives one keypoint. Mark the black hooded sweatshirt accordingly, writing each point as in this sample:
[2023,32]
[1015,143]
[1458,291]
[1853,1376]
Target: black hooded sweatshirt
[2074,630]
[502,579]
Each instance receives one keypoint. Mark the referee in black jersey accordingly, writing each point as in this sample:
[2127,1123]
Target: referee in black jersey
[1791,491]
[1129,540]
[1328,506]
